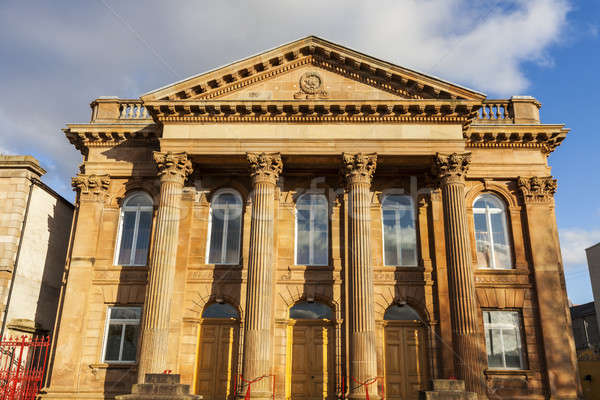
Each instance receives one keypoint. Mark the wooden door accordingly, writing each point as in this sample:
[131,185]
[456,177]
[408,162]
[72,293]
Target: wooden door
[406,363]
[217,359]
[312,360]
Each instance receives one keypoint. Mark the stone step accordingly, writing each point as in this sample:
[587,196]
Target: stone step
[160,387]
[449,384]
[448,389]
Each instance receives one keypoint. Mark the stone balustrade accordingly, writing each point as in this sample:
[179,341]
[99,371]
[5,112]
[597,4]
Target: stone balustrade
[112,109]
[516,110]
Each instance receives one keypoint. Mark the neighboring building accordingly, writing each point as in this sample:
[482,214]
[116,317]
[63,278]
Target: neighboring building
[316,217]
[593,259]
[585,326]
[35,223]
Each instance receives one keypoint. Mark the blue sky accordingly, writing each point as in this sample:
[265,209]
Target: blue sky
[55,57]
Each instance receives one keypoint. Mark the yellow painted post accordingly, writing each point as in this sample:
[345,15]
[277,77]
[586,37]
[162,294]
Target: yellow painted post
[195,382]
[229,361]
[288,360]
[325,341]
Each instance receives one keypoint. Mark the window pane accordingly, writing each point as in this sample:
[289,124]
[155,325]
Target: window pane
[401,313]
[127,229]
[390,239]
[482,241]
[130,343]
[113,342]
[494,348]
[304,310]
[501,246]
[409,238]
[216,236]
[233,236]
[143,238]
[138,200]
[303,237]
[512,348]
[125,313]
[217,310]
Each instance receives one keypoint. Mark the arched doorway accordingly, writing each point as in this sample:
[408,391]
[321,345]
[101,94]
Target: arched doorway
[310,370]
[406,362]
[217,352]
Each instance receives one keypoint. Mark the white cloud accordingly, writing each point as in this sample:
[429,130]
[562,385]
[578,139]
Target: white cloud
[573,242]
[57,57]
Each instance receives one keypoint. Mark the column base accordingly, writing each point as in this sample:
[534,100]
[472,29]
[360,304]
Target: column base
[160,387]
[448,389]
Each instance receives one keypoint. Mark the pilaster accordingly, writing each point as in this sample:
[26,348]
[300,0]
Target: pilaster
[67,348]
[358,170]
[468,360]
[537,194]
[173,169]
[258,338]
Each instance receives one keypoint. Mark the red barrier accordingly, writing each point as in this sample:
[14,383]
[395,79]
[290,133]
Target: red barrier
[249,384]
[22,367]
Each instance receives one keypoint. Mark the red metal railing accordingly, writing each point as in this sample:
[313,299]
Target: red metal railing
[22,367]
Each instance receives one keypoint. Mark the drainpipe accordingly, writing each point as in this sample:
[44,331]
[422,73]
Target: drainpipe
[14,271]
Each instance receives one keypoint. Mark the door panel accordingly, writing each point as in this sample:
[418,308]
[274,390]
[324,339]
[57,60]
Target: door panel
[312,373]
[406,369]
[217,359]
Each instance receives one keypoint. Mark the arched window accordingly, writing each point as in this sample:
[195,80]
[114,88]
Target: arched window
[403,312]
[220,310]
[399,233]
[135,226]
[313,310]
[225,227]
[491,233]
[312,230]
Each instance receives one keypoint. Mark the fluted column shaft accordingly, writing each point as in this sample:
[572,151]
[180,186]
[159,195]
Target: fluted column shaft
[359,170]
[172,169]
[463,308]
[258,349]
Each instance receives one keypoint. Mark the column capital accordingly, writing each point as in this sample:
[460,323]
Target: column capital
[535,189]
[91,187]
[265,167]
[451,168]
[359,167]
[174,167]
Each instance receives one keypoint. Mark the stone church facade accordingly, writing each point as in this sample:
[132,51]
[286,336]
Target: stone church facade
[322,223]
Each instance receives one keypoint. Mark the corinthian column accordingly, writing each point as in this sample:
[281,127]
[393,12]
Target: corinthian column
[173,168]
[359,169]
[264,169]
[468,361]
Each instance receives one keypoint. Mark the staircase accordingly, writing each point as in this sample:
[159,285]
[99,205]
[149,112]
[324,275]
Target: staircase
[160,387]
[448,389]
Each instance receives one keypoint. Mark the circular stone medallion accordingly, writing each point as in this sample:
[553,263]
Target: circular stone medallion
[310,82]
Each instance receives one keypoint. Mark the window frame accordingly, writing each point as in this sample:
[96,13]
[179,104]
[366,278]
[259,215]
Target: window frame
[399,244]
[209,231]
[139,210]
[519,327]
[505,225]
[122,323]
[311,231]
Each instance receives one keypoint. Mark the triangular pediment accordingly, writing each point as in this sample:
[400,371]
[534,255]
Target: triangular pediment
[311,68]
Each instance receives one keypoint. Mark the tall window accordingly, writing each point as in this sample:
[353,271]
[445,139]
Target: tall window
[491,233]
[135,225]
[399,234]
[503,339]
[121,334]
[312,230]
[225,227]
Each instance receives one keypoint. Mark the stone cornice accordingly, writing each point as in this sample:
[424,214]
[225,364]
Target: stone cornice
[316,111]
[265,166]
[535,136]
[537,189]
[451,168]
[175,167]
[91,187]
[359,168]
[84,136]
